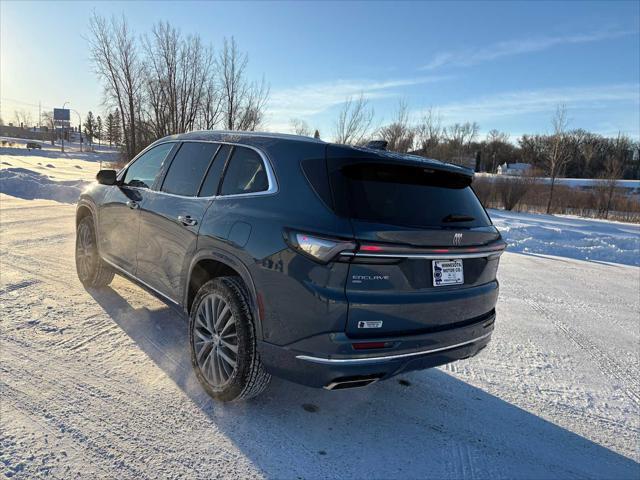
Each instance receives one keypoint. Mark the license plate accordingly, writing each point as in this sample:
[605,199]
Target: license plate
[447,272]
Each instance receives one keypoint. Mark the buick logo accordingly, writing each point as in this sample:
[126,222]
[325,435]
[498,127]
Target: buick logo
[457,239]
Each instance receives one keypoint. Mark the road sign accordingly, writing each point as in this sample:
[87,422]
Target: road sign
[61,114]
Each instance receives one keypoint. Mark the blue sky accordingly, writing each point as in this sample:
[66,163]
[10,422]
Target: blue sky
[503,65]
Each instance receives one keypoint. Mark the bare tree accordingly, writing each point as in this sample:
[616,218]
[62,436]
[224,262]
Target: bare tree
[243,102]
[115,57]
[556,157]
[22,118]
[429,132]
[495,148]
[300,127]
[512,189]
[172,83]
[460,136]
[613,170]
[354,121]
[253,106]
[399,134]
[49,122]
[178,70]
[211,112]
[589,151]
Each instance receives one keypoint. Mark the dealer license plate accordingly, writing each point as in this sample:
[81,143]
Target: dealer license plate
[447,272]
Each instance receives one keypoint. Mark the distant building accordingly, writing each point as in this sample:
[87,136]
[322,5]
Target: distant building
[514,169]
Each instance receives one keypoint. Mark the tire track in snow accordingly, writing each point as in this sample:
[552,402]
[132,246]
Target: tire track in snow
[605,362]
[463,455]
[79,451]
[24,402]
[40,272]
[68,386]
[17,286]
[51,239]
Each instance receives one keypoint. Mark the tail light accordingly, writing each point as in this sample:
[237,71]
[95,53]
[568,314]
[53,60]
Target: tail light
[321,249]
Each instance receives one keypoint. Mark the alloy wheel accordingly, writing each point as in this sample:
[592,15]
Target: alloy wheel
[85,251]
[215,340]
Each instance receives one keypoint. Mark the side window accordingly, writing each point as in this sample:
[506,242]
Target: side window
[245,173]
[142,173]
[212,180]
[188,168]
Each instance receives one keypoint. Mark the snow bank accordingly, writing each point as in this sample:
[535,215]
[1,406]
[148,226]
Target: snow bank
[571,237]
[27,184]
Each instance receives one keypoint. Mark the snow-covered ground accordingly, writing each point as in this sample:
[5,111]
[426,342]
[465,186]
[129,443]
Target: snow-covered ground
[99,383]
[573,237]
[48,173]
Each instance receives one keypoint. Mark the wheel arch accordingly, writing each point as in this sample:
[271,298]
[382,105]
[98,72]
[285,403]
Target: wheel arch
[84,209]
[206,266]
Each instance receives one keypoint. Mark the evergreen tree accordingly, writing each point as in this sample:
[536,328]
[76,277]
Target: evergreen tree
[110,128]
[99,129]
[90,126]
[113,127]
[316,135]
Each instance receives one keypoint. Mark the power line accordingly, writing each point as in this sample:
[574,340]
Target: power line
[22,102]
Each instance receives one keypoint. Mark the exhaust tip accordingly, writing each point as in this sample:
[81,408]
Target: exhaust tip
[351,382]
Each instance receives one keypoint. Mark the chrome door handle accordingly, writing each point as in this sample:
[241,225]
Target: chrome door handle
[187,220]
[132,205]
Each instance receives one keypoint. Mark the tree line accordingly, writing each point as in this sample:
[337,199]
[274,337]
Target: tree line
[164,82]
[108,131]
[563,152]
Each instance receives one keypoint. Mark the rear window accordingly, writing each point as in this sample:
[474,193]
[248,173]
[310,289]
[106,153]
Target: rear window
[409,196]
[245,173]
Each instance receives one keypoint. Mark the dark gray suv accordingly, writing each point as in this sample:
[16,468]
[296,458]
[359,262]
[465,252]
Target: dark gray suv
[328,265]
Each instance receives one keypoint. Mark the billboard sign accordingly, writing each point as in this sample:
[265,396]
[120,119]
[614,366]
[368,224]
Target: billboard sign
[61,114]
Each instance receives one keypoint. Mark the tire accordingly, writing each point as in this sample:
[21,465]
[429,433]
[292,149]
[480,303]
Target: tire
[221,332]
[92,271]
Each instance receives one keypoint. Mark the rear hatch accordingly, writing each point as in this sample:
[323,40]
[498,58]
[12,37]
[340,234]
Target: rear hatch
[427,252]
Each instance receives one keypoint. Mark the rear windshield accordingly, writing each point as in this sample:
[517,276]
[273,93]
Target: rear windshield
[409,196]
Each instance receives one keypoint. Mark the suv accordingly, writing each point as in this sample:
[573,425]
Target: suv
[328,265]
[33,145]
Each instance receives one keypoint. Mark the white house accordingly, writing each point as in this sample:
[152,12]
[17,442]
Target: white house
[513,168]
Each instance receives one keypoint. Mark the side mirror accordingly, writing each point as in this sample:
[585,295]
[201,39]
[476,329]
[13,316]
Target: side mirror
[107,177]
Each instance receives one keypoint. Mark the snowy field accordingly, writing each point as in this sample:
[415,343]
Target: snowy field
[573,237]
[99,383]
[48,173]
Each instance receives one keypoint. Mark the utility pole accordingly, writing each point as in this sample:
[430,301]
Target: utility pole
[63,105]
[39,114]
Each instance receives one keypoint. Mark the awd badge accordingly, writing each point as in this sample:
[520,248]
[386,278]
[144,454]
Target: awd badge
[370,324]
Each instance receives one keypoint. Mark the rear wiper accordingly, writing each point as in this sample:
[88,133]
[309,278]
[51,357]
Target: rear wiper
[452,217]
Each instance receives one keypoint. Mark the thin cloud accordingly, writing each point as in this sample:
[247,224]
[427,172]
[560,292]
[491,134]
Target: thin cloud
[308,100]
[475,56]
[543,100]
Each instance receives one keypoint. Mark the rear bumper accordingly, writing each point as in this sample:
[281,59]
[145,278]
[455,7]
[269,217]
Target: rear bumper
[322,360]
